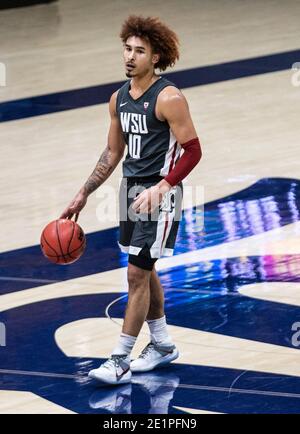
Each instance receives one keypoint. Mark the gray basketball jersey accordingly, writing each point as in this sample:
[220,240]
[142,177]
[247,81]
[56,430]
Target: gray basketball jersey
[152,149]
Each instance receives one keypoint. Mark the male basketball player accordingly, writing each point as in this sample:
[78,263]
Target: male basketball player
[151,116]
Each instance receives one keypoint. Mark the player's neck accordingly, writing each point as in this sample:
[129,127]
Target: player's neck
[141,84]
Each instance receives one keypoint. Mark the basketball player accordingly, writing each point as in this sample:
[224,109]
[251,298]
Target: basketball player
[150,115]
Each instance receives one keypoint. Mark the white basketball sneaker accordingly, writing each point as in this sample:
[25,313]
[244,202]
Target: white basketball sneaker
[152,356]
[116,370]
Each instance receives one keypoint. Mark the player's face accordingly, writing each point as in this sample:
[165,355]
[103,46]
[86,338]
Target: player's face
[138,57]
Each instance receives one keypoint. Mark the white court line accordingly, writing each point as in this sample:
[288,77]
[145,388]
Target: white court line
[183,386]
[25,279]
[39,374]
[245,391]
[108,307]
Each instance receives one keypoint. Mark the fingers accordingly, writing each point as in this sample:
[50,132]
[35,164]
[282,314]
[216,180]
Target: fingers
[76,216]
[70,211]
[145,202]
[142,206]
[66,214]
[75,207]
[140,202]
[137,203]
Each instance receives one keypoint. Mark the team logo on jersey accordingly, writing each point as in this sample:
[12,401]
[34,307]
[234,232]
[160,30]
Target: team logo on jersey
[146,104]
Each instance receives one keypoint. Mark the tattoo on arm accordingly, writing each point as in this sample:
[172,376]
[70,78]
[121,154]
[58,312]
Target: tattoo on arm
[103,169]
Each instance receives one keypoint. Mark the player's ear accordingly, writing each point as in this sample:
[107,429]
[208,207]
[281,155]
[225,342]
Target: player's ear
[155,58]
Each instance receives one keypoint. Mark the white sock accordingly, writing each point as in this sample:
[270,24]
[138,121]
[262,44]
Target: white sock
[125,344]
[158,331]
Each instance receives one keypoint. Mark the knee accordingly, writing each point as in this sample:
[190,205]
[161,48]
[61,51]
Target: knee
[137,277]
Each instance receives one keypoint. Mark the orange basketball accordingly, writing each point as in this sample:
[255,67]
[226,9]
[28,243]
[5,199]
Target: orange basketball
[63,241]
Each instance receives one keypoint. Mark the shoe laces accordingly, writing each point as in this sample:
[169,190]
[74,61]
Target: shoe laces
[114,361]
[148,349]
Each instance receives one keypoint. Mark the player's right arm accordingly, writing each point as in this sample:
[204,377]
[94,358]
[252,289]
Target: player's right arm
[106,164]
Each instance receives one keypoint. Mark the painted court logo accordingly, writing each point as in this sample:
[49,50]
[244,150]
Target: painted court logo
[2,335]
[2,75]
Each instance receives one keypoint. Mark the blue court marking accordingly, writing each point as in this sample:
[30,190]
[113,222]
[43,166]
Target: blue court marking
[198,296]
[93,95]
[31,347]
[266,205]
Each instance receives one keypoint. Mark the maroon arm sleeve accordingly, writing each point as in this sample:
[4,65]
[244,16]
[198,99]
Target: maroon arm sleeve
[189,159]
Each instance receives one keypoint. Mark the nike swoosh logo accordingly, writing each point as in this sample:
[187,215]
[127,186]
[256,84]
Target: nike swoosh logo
[164,352]
[121,375]
[124,103]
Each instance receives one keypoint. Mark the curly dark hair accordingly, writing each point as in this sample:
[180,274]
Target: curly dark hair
[161,38]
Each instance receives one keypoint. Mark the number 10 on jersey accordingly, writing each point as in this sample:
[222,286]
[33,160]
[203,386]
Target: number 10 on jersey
[134,145]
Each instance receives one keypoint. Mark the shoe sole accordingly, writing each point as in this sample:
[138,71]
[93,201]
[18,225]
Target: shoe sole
[166,361]
[107,381]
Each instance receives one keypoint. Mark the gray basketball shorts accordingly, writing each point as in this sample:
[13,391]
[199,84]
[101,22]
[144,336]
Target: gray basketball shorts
[151,235]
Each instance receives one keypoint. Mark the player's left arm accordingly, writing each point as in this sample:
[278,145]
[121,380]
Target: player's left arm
[173,107]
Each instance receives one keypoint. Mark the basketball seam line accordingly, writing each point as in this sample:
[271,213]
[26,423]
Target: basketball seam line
[57,233]
[73,230]
[56,254]
[68,254]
